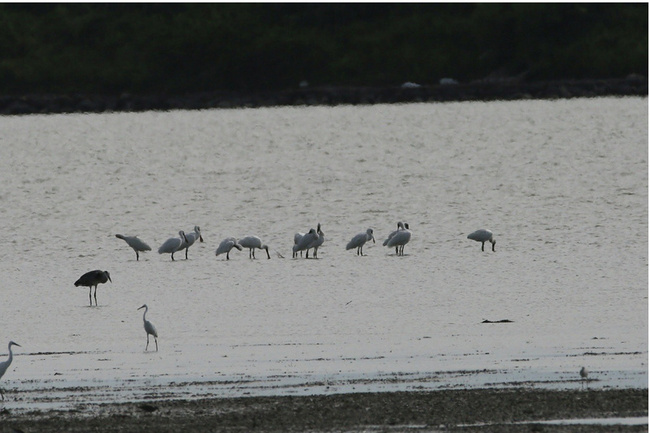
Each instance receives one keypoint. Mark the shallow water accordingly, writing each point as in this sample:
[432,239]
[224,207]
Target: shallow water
[562,184]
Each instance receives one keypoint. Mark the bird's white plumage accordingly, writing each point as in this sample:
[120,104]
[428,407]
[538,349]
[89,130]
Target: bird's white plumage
[226,245]
[252,242]
[483,236]
[305,241]
[136,243]
[171,245]
[148,327]
[5,364]
[400,226]
[359,240]
[399,239]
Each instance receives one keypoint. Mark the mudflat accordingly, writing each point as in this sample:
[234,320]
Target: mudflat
[476,410]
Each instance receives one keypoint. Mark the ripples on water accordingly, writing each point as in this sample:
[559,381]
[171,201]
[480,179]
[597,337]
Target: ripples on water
[562,184]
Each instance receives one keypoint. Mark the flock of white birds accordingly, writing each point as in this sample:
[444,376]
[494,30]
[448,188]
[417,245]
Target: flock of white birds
[310,240]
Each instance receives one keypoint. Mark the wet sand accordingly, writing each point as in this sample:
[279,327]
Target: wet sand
[480,410]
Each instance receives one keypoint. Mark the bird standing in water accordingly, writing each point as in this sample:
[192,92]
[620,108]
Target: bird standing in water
[135,243]
[93,278]
[149,328]
[5,364]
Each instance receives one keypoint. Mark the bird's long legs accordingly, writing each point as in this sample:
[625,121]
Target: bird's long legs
[90,295]
[137,256]
[147,346]
[95,297]
[156,340]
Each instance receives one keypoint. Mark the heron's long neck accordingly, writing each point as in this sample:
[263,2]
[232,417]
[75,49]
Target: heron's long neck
[11,355]
[145,314]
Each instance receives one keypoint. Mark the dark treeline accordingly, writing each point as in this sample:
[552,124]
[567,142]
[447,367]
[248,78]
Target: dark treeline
[181,48]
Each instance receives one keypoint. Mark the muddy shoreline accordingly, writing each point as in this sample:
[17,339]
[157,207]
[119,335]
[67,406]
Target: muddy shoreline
[505,89]
[478,410]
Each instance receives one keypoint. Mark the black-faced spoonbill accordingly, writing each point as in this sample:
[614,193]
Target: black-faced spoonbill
[305,242]
[149,328]
[399,239]
[482,236]
[135,243]
[359,241]
[252,242]
[5,364]
[400,226]
[172,245]
[317,243]
[191,237]
[296,241]
[93,278]
[226,245]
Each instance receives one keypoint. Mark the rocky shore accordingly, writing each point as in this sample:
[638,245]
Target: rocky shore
[479,410]
[486,90]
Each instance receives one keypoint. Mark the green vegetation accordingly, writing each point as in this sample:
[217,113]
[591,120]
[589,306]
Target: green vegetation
[178,48]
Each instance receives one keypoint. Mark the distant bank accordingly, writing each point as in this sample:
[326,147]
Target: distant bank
[633,85]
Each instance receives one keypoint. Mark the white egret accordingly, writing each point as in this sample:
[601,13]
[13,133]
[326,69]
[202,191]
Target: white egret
[482,236]
[226,245]
[172,245]
[252,242]
[399,239]
[358,241]
[93,278]
[191,237]
[400,226]
[149,328]
[5,364]
[135,243]
[305,241]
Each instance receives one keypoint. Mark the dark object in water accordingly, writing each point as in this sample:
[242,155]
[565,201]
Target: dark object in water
[497,321]
[148,407]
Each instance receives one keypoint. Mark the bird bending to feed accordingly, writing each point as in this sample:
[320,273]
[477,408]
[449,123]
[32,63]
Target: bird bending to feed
[400,226]
[149,328]
[93,278]
[482,236]
[252,242]
[399,239]
[191,237]
[172,245]
[226,245]
[305,242]
[359,241]
[5,364]
[135,243]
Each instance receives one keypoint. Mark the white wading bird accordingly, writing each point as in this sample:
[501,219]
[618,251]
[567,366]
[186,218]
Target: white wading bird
[226,245]
[252,242]
[359,241]
[93,278]
[399,239]
[135,243]
[5,364]
[400,226]
[149,328]
[191,237]
[172,245]
[296,241]
[482,236]
[317,243]
[305,242]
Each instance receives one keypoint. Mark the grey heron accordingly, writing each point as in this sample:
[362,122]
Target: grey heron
[252,242]
[358,241]
[172,245]
[482,236]
[5,364]
[135,243]
[93,278]
[149,328]
[226,245]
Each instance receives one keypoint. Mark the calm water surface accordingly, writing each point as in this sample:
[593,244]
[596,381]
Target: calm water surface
[562,184]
